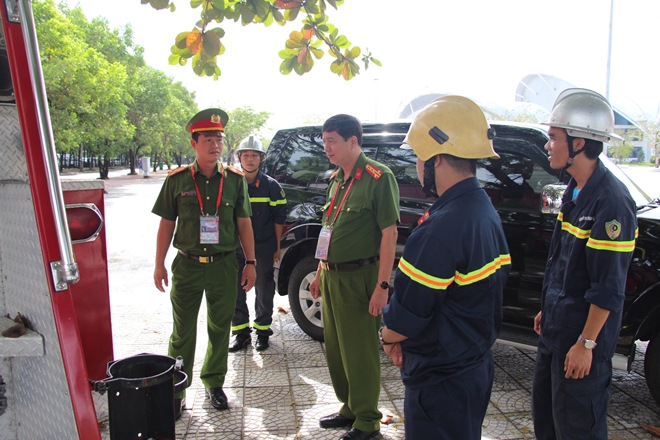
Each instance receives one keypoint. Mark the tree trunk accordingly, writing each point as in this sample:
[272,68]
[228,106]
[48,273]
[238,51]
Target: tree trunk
[104,167]
[131,161]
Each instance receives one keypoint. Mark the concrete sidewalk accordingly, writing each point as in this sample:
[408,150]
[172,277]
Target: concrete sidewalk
[281,393]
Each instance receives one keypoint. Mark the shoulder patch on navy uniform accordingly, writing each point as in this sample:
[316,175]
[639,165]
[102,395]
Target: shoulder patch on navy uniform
[375,172]
[236,171]
[613,229]
[177,171]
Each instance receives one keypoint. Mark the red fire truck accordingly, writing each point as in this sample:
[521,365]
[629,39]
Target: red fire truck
[53,264]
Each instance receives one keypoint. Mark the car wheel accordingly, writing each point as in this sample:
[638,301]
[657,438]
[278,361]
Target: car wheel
[652,368]
[305,309]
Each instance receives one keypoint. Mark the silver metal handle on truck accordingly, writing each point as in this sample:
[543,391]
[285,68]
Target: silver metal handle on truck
[64,272]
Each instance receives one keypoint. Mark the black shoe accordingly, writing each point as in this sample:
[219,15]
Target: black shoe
[217,397]
[240,342]
[356,434]
[179,404]
[262,342]
[335,421]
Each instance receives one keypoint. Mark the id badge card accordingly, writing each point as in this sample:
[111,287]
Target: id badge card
[323,244]
[209,230]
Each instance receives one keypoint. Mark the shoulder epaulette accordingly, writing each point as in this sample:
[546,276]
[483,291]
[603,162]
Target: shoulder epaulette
[332,176]
[177,170]
[236,170]
[375,172]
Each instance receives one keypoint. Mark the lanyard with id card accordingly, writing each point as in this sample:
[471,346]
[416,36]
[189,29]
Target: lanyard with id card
[209,225]
[323,245]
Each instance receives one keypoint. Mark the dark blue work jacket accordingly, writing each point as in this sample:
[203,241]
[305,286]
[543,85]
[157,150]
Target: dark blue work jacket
[268,207]
[590,251]
[448,287]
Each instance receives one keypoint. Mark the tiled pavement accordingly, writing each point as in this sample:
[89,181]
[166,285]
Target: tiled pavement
[281,393]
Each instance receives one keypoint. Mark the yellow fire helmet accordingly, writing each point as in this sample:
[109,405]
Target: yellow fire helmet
[452,125]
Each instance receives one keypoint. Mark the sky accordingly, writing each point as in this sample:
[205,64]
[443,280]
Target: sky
[477,48]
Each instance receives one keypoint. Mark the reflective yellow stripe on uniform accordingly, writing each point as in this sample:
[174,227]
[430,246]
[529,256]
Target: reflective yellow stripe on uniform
[267,200]
[614,246]
[484,272]
[260,327]
[601,245]
[236,328]
[461,279]
[582,234]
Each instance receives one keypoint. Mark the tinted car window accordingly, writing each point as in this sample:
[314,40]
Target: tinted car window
[513,181]
[303,162]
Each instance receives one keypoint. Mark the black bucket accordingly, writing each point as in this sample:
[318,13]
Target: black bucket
[141,392]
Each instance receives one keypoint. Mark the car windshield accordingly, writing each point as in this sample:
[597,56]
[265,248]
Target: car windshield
[637,194]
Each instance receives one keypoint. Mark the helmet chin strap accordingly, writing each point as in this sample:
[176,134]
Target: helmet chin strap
[571,153]
[429,178]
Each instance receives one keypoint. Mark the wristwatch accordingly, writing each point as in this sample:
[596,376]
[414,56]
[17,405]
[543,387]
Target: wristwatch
[384,285]
[380,336]
[589,344]
[252,262]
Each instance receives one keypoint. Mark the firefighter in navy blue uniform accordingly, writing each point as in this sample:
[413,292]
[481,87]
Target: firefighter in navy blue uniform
[446,310]
[268,215]
[583,289]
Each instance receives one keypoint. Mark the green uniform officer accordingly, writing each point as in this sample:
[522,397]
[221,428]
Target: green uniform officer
[356,248]
[205,207]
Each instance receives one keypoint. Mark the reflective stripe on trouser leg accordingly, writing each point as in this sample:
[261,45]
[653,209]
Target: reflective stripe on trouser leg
[351,343]
[264,293]
[240,322]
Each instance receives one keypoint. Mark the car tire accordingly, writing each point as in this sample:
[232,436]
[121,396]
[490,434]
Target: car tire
[305,309]
[652,368]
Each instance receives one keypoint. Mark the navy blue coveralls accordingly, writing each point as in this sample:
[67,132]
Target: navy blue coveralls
[448,302]
[590,251]
[268,208]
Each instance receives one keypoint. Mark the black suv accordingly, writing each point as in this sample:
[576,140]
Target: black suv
[525,192]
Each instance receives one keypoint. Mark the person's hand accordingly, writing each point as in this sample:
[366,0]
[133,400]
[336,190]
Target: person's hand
[160,276]
[394,351]
[537,323]
[578,361]
[314,287]
[278,254]
[378,301]
[249,277]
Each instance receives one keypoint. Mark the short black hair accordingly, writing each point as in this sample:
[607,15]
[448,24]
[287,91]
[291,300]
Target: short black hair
[462,165]
[592,148]
[345,125]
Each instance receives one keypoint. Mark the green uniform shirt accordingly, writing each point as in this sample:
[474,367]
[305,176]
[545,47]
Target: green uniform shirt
[178,201]
[371,206]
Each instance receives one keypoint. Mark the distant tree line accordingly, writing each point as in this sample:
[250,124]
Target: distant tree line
[104,101]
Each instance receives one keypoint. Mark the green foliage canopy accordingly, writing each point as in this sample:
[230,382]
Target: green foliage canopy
[203,44]
[243,122]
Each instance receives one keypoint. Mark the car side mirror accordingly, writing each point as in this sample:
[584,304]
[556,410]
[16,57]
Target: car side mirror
[551,198]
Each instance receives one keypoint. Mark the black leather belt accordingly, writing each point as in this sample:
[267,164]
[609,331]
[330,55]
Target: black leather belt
[205,259]
[349,265]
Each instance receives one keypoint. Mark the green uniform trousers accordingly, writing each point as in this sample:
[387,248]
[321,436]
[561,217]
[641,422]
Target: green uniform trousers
[190,280]
[351,343]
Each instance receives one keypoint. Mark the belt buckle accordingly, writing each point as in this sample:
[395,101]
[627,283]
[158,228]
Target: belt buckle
[324,265]
[203,259]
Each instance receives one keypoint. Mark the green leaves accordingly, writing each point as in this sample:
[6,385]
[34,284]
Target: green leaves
[300,49]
